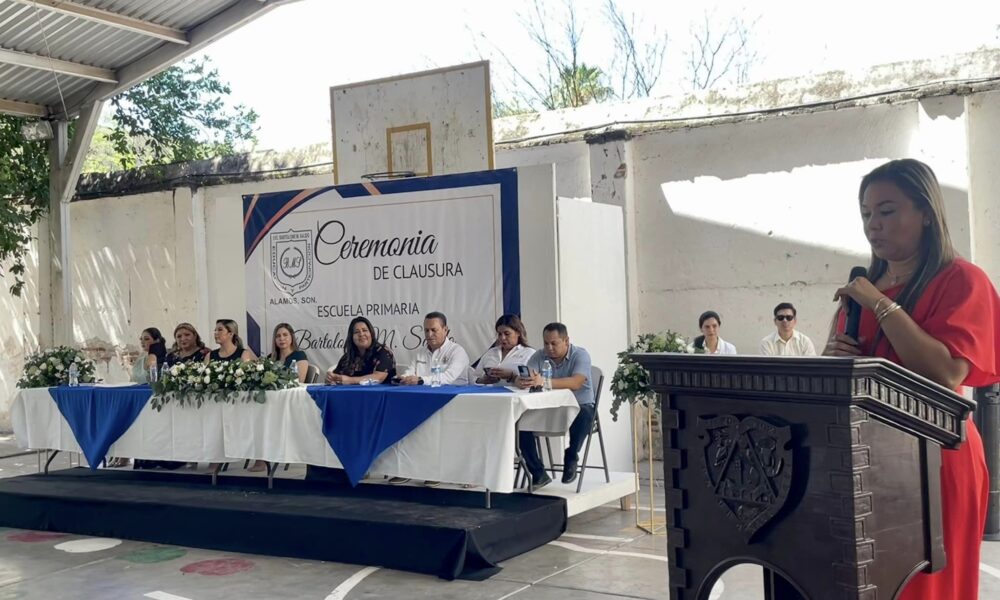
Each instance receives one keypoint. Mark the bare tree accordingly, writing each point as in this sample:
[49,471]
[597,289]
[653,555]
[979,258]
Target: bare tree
[721,54]
[641,60]
[563,79]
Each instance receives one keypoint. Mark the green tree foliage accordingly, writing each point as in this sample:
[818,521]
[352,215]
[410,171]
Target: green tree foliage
[180,114]
[24,196]
[580,85]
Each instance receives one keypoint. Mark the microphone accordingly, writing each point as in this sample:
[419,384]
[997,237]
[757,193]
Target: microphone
[853,308]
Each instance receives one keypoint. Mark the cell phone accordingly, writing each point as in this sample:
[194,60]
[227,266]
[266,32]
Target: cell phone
[523,371]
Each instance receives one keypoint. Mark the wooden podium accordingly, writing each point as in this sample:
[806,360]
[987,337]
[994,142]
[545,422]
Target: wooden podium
[824,471]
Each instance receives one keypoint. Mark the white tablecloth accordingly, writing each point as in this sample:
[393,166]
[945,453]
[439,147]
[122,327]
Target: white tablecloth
[470,440]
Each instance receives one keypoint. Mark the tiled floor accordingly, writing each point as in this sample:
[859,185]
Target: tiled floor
[603,556]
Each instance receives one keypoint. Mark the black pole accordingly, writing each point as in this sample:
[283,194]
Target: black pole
[987,418]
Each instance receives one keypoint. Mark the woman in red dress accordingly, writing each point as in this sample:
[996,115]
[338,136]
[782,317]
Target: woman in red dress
[938,315]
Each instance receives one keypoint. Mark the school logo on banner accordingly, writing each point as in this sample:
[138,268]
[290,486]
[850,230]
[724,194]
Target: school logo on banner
[292,260]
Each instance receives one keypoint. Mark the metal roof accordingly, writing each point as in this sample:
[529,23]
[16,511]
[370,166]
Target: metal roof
[93,49]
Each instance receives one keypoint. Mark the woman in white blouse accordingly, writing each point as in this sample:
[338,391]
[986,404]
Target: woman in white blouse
[511,350]
[709,341]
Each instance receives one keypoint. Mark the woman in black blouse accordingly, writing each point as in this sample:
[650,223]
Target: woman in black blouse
[286,351]
[364,358]
[187,347]
[227,335]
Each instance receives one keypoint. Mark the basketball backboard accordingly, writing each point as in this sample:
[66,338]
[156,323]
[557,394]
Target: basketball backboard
[429,123]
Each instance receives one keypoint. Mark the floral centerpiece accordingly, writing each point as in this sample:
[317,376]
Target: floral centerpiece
[47,368]
[223,381]
[631,380]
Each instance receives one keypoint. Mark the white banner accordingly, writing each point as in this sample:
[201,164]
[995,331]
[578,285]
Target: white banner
[318,259]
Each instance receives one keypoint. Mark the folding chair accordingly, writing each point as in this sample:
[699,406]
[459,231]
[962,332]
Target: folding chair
[597,380]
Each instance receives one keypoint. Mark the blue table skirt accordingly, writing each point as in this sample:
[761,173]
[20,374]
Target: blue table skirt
[360,422]
[98,416]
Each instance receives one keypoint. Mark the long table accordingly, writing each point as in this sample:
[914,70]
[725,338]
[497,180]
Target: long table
[471,440]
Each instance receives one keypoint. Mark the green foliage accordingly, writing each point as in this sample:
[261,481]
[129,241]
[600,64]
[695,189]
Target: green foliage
[579,86]
[223,381]
[631,380]
[51,367]
[24,194]
[179,114]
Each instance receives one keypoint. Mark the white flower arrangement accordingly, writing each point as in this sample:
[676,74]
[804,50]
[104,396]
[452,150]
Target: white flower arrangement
[631,380]
[222,381]
[48,368]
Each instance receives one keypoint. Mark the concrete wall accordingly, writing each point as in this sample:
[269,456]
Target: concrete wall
[738,216]
[19,331]
[571,160]
[984,180]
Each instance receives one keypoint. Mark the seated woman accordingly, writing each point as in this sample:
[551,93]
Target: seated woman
[510,351]
[364,358]
[709,341]
[227,336]
[154,353]
[187,347]
[287,352]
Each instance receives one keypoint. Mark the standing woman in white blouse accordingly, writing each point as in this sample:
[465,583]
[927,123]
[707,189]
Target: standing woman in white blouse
[709,341]
[511,350]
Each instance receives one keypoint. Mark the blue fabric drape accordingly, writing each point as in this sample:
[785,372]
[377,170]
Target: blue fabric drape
[99,416]
[360,422]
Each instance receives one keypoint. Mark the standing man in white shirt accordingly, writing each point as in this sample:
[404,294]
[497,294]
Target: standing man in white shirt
[452,358]
[786,341]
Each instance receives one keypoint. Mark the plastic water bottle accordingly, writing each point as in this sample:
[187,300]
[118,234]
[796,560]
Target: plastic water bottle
[546,375]
[74,375]
[154,374]
[435,372]
[164,371]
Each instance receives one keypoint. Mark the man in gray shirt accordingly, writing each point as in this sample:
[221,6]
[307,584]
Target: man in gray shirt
[570,371]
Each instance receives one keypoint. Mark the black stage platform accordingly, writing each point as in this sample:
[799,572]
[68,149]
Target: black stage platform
[446,533]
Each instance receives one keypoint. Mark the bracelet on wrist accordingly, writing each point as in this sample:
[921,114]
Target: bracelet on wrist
[887,311]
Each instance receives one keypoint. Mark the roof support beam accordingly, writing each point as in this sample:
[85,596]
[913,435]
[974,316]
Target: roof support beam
[44,63]
[213,29]
[111,19]
[22,109]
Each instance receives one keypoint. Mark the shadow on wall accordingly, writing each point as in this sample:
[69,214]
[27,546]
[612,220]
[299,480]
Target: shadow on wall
[712,257]
[738,217]
[117,295]
[19,331]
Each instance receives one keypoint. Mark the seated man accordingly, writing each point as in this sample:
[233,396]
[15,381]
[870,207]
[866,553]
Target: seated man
[438,349]
[570,371]
[452,359]
[786,341]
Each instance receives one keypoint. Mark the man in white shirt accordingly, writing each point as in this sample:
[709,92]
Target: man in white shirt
[438,349]
[786,341]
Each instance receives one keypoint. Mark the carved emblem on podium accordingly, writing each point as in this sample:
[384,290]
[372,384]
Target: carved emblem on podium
[748,464]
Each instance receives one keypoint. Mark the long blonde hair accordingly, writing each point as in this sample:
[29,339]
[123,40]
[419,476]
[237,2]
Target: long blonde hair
[234,329]
[275,353]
